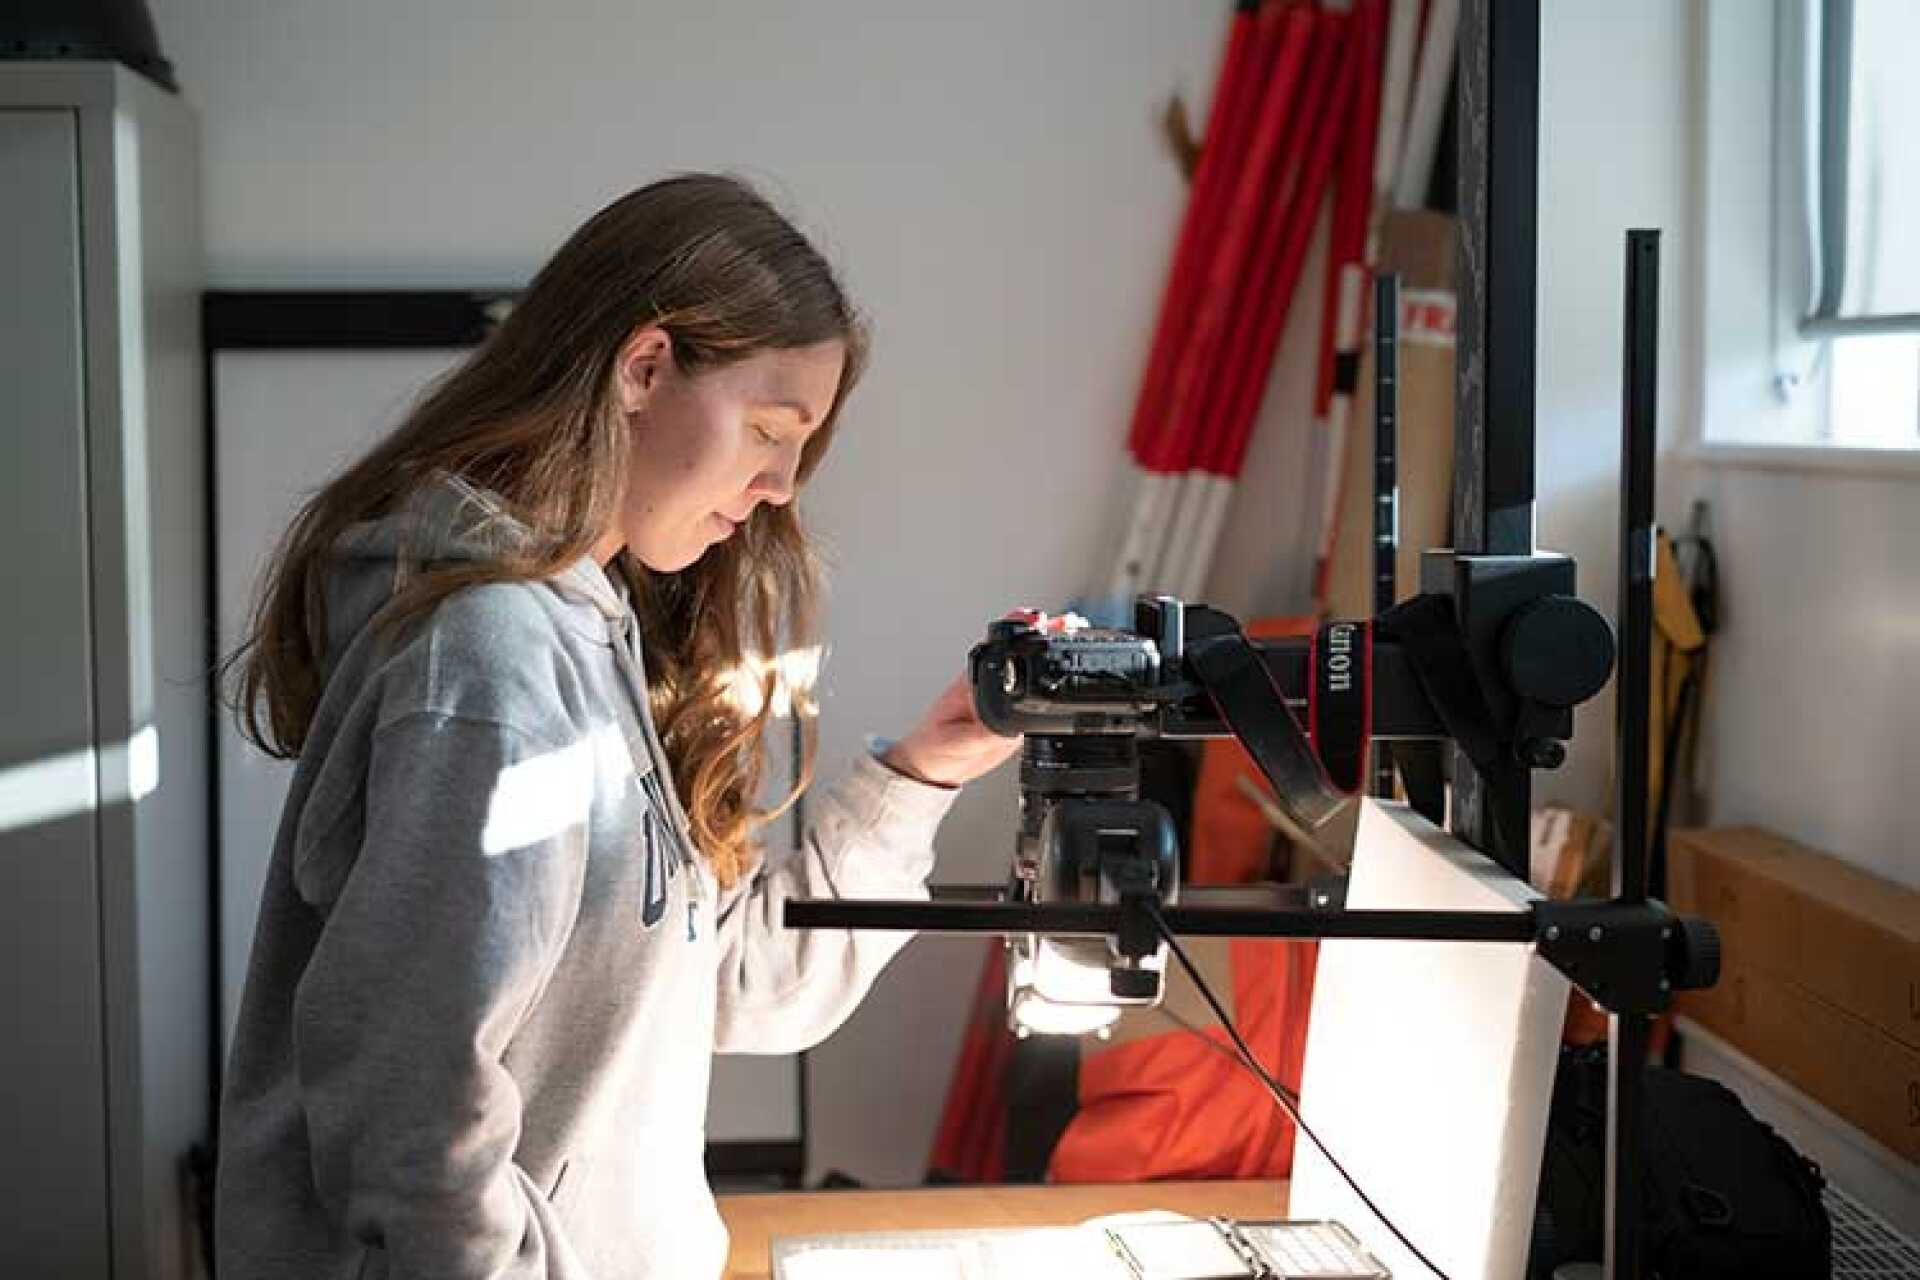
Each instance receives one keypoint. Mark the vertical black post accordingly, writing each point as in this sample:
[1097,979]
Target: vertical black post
[1386,476]
[1498,90]
[1499,102]
[1635,681]
[1628,1034]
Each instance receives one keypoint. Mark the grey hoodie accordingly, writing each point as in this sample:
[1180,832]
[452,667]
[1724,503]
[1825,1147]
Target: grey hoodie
[489,971]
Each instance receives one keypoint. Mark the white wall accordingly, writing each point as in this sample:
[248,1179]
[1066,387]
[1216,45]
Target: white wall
[1816,678]
[991,179]
[1816,681]
[1617,86]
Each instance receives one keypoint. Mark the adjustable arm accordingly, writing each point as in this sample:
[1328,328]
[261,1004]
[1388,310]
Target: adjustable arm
[1627,957]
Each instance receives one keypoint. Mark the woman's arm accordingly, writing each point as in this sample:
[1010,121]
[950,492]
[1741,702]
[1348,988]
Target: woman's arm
[445,930]
[780,989]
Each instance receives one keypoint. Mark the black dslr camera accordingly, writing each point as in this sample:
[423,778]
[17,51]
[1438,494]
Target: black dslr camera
[1501,684]
[1084,697]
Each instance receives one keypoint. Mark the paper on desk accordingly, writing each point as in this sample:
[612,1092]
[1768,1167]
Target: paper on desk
[832,1262]
[1000,1255]
[1184,1247]
[1137,1217]
[1183,1251]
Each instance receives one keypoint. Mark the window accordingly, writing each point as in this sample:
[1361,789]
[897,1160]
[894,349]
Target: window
[1865,207]
[1865,201]
[1810,228]
[1873,392]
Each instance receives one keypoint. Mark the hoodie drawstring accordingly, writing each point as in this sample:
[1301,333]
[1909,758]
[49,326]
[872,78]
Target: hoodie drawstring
[626,656]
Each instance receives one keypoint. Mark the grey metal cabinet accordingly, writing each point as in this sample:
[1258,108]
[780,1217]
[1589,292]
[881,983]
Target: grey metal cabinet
[105,935]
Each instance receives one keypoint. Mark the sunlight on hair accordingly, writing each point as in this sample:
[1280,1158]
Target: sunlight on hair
[794,672]
[538,799]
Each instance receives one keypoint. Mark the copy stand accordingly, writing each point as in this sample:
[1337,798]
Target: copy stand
[1628,953]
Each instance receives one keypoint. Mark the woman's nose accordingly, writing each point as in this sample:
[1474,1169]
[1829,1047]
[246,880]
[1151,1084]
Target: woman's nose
[775,484]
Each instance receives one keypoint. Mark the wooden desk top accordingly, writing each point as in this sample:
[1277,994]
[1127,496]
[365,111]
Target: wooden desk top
[754,1220]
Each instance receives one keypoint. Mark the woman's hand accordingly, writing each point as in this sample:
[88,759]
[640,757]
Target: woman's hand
[950,746]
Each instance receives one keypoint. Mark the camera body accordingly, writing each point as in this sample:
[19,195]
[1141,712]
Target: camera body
[1083,697]
[1058,675]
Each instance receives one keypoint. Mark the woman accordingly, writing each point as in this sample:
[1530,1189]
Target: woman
[515,902]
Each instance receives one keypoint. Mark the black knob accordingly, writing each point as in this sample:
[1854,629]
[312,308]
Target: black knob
[1697,964]
[1541,753]
[1133,984]
[1558,651]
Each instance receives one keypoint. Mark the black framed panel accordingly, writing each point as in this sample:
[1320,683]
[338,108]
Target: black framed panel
[350,320]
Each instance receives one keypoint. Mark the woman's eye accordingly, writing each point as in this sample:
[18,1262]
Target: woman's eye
[766,436]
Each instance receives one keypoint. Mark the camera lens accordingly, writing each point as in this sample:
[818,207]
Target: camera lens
[1091,765]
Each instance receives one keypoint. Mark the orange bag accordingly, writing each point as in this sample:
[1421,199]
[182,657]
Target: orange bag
[1179,1105]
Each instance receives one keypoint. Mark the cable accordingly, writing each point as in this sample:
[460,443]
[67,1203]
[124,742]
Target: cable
[1198,1033]
[1288,1100]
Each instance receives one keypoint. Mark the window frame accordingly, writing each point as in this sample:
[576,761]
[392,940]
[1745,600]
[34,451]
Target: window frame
[1765,389]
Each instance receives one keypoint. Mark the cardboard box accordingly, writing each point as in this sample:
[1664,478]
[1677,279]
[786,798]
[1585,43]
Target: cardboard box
[1854,1069]
[1841,935]
[1569,853]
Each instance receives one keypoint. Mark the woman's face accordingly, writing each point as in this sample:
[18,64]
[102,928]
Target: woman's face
[709,449]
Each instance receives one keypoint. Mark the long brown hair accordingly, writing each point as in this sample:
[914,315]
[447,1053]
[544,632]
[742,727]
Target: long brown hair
[532,417]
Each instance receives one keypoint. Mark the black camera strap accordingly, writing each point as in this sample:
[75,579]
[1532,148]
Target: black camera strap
[1234,676]
[1314,770]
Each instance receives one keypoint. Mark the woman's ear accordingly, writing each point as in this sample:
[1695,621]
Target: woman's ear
[644,359]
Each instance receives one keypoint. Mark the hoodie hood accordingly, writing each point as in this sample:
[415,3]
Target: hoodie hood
[446,521]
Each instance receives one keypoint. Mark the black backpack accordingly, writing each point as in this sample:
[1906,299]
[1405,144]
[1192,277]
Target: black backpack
[1723,1194]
